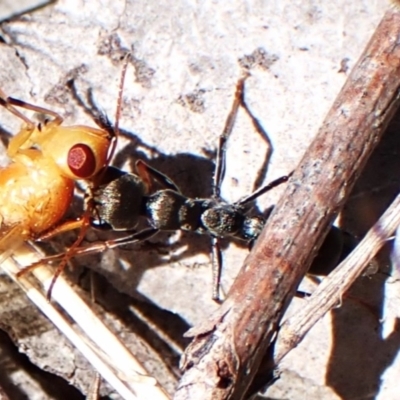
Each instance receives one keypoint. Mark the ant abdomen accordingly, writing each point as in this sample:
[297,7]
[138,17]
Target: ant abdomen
[119,201]
[162,209]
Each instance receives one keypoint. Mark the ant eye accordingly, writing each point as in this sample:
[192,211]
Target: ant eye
[81,160]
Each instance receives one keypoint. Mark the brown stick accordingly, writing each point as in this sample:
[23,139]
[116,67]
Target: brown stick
[227,350]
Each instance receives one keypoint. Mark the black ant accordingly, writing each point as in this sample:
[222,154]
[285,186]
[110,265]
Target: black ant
[122,198]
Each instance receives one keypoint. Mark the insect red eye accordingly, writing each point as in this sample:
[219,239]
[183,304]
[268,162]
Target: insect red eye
[81,160]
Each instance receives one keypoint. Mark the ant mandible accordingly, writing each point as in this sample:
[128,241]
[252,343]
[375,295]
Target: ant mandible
[122,198]
[47,159]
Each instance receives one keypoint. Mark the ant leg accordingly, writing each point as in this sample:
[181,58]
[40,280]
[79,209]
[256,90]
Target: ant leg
[57,118]
[86,250]
[264,189]
[263,133]
[61,228]
[219,174]
[221,151]
[95,248]
[10,241]
[4,101]
[114,243]
[145,171]
[83,224]
[18,141]
[216,269]
[26,131]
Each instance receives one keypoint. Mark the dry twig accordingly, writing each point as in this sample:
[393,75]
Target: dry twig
[99,346]
[331,290]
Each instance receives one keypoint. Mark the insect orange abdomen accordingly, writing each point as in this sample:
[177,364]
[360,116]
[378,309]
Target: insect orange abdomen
[33,194]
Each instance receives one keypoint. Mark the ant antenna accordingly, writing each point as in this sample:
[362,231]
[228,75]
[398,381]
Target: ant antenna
[119,107]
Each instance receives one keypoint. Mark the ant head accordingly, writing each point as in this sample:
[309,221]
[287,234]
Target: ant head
[79,151]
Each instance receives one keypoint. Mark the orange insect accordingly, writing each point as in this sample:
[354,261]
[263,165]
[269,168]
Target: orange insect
[37,187]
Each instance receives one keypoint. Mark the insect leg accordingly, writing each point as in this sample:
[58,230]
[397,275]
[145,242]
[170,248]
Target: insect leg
[26,131]
[263,189]
[216,268]
[10,241]
[57,119]
[219,173]
[220,163]
[145,171]
[264,134]
[5,102]
[61,228]
[94,248]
